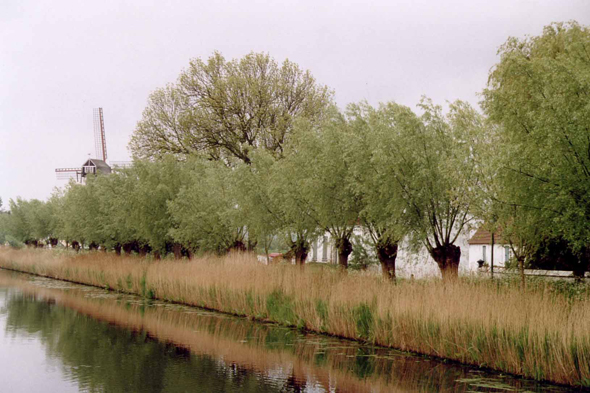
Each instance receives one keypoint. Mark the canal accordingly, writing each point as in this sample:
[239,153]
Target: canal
[63,337]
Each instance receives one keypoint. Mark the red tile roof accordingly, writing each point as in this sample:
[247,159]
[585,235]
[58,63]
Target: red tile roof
[481,236]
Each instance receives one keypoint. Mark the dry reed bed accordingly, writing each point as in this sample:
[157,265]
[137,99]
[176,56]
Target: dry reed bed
[538,334]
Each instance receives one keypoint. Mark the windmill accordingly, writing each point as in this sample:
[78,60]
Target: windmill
[92,165]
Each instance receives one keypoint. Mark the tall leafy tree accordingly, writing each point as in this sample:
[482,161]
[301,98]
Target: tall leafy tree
[156,184]
[117,210]
[225,109]
[263,194]
[205,214]
[382,205]
[538,96]
[19,223]
[316,166]
[430,158]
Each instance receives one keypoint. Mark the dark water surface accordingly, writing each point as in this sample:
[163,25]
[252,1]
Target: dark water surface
[62,337]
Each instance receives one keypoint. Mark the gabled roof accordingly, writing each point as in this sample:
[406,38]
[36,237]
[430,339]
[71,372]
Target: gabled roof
[101,166]
[482,236]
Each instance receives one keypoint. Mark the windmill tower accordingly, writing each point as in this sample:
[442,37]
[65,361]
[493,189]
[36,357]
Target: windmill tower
[92,165]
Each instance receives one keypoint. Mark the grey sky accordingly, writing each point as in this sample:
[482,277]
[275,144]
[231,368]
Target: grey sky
[60,59]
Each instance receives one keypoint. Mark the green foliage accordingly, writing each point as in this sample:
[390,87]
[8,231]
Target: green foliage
[537,95]
[424,171]
[321,308]
[435,167]
[227,109]
[361,257]
[363,316]
[3,227]
[315,174]
[13,242]
[156,184]
[205,214]
[280,308]
[382,204]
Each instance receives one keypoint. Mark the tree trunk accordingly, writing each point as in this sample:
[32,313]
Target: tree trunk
[387,254]
[251,245]
[583,264]
[300,248]
[300,256]
[143,250]
[447,258]
[128,248]
[118,249]
[344,247]
[157,255]
[238,246]
[76,245]
[521,271]
[177,248]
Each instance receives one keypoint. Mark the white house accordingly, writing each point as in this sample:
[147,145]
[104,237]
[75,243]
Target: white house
[409,262]
[480,249]
[420,264]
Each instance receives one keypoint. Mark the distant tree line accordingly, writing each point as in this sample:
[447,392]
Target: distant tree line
[238,153]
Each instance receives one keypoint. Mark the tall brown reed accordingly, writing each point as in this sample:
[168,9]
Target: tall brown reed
[539,334]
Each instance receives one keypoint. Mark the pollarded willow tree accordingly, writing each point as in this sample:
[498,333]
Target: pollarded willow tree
[205,213]
[18,224]
[156,184]
[263,196]
[317,180]
[225,109]
[382,206]
[539,97]
[430,158]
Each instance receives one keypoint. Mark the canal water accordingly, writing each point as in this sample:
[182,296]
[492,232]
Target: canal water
[63,337]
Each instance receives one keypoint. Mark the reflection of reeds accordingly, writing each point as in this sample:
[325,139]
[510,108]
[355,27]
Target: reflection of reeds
[538,334]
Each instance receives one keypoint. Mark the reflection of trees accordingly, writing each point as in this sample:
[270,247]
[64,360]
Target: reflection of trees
[103,357]
[252,354]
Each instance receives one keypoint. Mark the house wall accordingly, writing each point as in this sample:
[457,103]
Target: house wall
[409,262]
[323,249]
[476,252]
[421,265]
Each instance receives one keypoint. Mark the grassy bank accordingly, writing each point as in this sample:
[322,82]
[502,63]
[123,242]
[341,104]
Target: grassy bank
[541,334]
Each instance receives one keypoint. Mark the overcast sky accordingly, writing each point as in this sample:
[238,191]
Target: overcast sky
[61,59]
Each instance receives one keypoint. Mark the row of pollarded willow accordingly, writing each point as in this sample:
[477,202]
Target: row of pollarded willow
[246,150]
[367,165]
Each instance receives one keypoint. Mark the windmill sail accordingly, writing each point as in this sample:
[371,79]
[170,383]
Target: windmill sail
[92,165]
[100,142]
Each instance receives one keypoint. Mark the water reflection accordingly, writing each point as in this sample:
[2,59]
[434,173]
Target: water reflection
[118,343]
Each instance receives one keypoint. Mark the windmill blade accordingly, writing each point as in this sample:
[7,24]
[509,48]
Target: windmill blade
[121,164]
[68,173]
[100,142]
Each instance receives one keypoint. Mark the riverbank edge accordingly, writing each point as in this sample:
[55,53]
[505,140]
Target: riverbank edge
[253,318]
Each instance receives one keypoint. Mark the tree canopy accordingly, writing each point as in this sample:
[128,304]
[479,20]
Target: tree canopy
[538,96]
[225,109]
